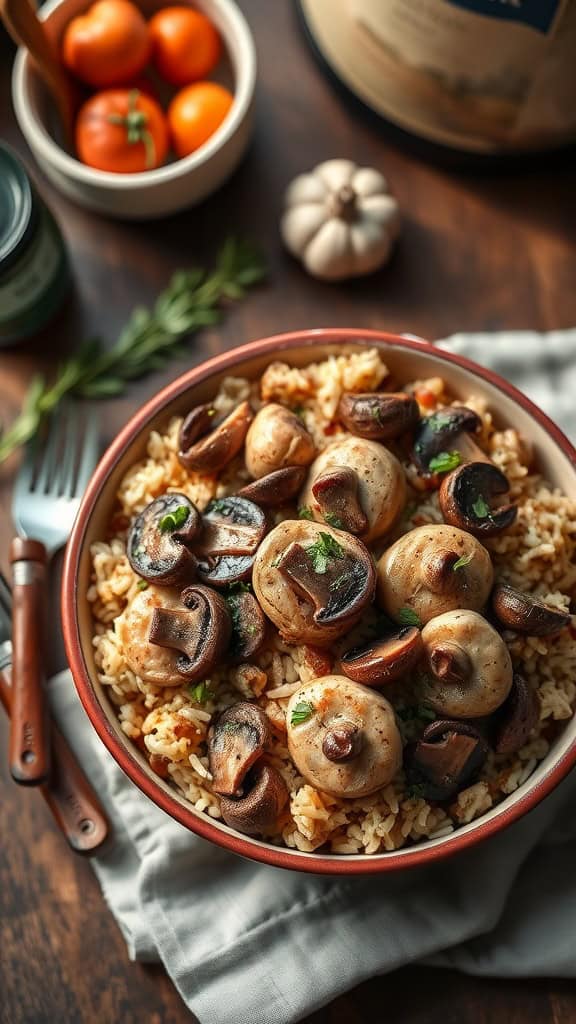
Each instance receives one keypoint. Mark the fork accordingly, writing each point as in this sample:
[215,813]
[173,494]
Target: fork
[46,498]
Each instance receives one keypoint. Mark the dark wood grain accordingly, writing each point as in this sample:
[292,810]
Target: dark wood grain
[477,252]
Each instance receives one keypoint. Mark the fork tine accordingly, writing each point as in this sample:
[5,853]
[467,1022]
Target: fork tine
[5,596]
[72,443]
[89,455]
[48,470]
[25,477]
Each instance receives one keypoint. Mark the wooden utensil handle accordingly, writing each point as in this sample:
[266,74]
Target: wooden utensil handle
[74,804]
[29,742]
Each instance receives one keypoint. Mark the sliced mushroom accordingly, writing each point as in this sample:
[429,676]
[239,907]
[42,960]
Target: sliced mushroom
[524,613]
[217,448]
[200,631]
[159,541]
[343,737]
[150,663]
[385,659]
[431,570]
[312,582]
[378,417]
[259,809]
[381,485]
[236,741]
[517,717]
[232,530]
[275,488]
[470,671]
[336,492]
[277,438]
[466,497]
[446,759]
[248,625]
[446,431]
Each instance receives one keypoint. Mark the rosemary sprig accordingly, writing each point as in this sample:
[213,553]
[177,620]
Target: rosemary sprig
[150,339]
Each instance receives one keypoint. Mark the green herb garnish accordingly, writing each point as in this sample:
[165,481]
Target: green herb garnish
[301,712]
[193,299]
[305,512]
[276,561]
[333,520]
[201,692]
[481,508]
[444,462]
[464,560]
[415,791]
[323,549]
[142,585]
[219,505]
[231,726]
[174,520]
[408,617]
[239,587]
[376,412]
[438,420]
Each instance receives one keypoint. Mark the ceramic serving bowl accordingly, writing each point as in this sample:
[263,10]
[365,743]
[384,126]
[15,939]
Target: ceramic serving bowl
[171,187]
[407,360]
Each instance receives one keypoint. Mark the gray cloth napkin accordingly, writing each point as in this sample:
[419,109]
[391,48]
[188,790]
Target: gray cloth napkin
[258,945]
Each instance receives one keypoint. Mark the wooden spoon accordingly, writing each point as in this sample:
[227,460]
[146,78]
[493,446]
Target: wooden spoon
[27,30]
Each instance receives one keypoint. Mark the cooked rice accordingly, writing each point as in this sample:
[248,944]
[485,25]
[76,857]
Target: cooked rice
[170,727]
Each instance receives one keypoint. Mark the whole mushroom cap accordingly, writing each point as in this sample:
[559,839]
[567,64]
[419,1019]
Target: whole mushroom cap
[469,666]
[381,482]
[431,570]
[153,664]
[276,438]
[343,737]
[296,617]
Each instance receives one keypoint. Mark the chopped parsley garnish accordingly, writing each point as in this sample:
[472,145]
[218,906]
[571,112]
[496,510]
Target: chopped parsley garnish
[142,585]
[201,692]
[276,561]
[305,512]
[375,412]
[239,587]
[333,520]
[301,712]
[481,508]
[219,505]
[174,520]
[408,617]
[464,560]
[444,462]
[231,726]
[438,420]
[323,549]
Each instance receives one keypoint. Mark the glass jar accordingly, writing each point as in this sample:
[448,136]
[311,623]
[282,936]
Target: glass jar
[34,268]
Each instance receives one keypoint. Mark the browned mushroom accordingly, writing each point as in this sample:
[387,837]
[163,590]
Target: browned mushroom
[236,741]
[378,417]
[248,625]
[209,452]
[466,497]
[343,737]
[431,570]
[517,717]
[159,539]
[381,487]
[524,613]
[275,488]
[257,811]
[470,667]
[277,438]
[444,433]
[336,492]
[200,631]
[385,659]
[311,581]
[446,759]
[232,530]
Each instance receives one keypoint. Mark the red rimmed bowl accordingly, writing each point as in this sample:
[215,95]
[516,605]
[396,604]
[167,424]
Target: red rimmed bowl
[408,360]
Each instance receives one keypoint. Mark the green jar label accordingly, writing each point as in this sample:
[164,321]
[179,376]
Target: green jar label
[31,276]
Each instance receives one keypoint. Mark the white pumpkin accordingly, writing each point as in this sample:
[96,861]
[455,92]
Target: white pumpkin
[340,220]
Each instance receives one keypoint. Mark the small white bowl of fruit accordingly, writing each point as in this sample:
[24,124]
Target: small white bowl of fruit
[164,108]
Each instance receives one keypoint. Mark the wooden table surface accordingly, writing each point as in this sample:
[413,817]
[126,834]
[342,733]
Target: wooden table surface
[477,252]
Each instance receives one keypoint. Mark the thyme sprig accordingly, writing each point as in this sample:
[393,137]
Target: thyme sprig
[149,340]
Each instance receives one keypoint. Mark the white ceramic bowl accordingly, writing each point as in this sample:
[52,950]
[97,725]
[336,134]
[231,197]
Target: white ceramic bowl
[153,193]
